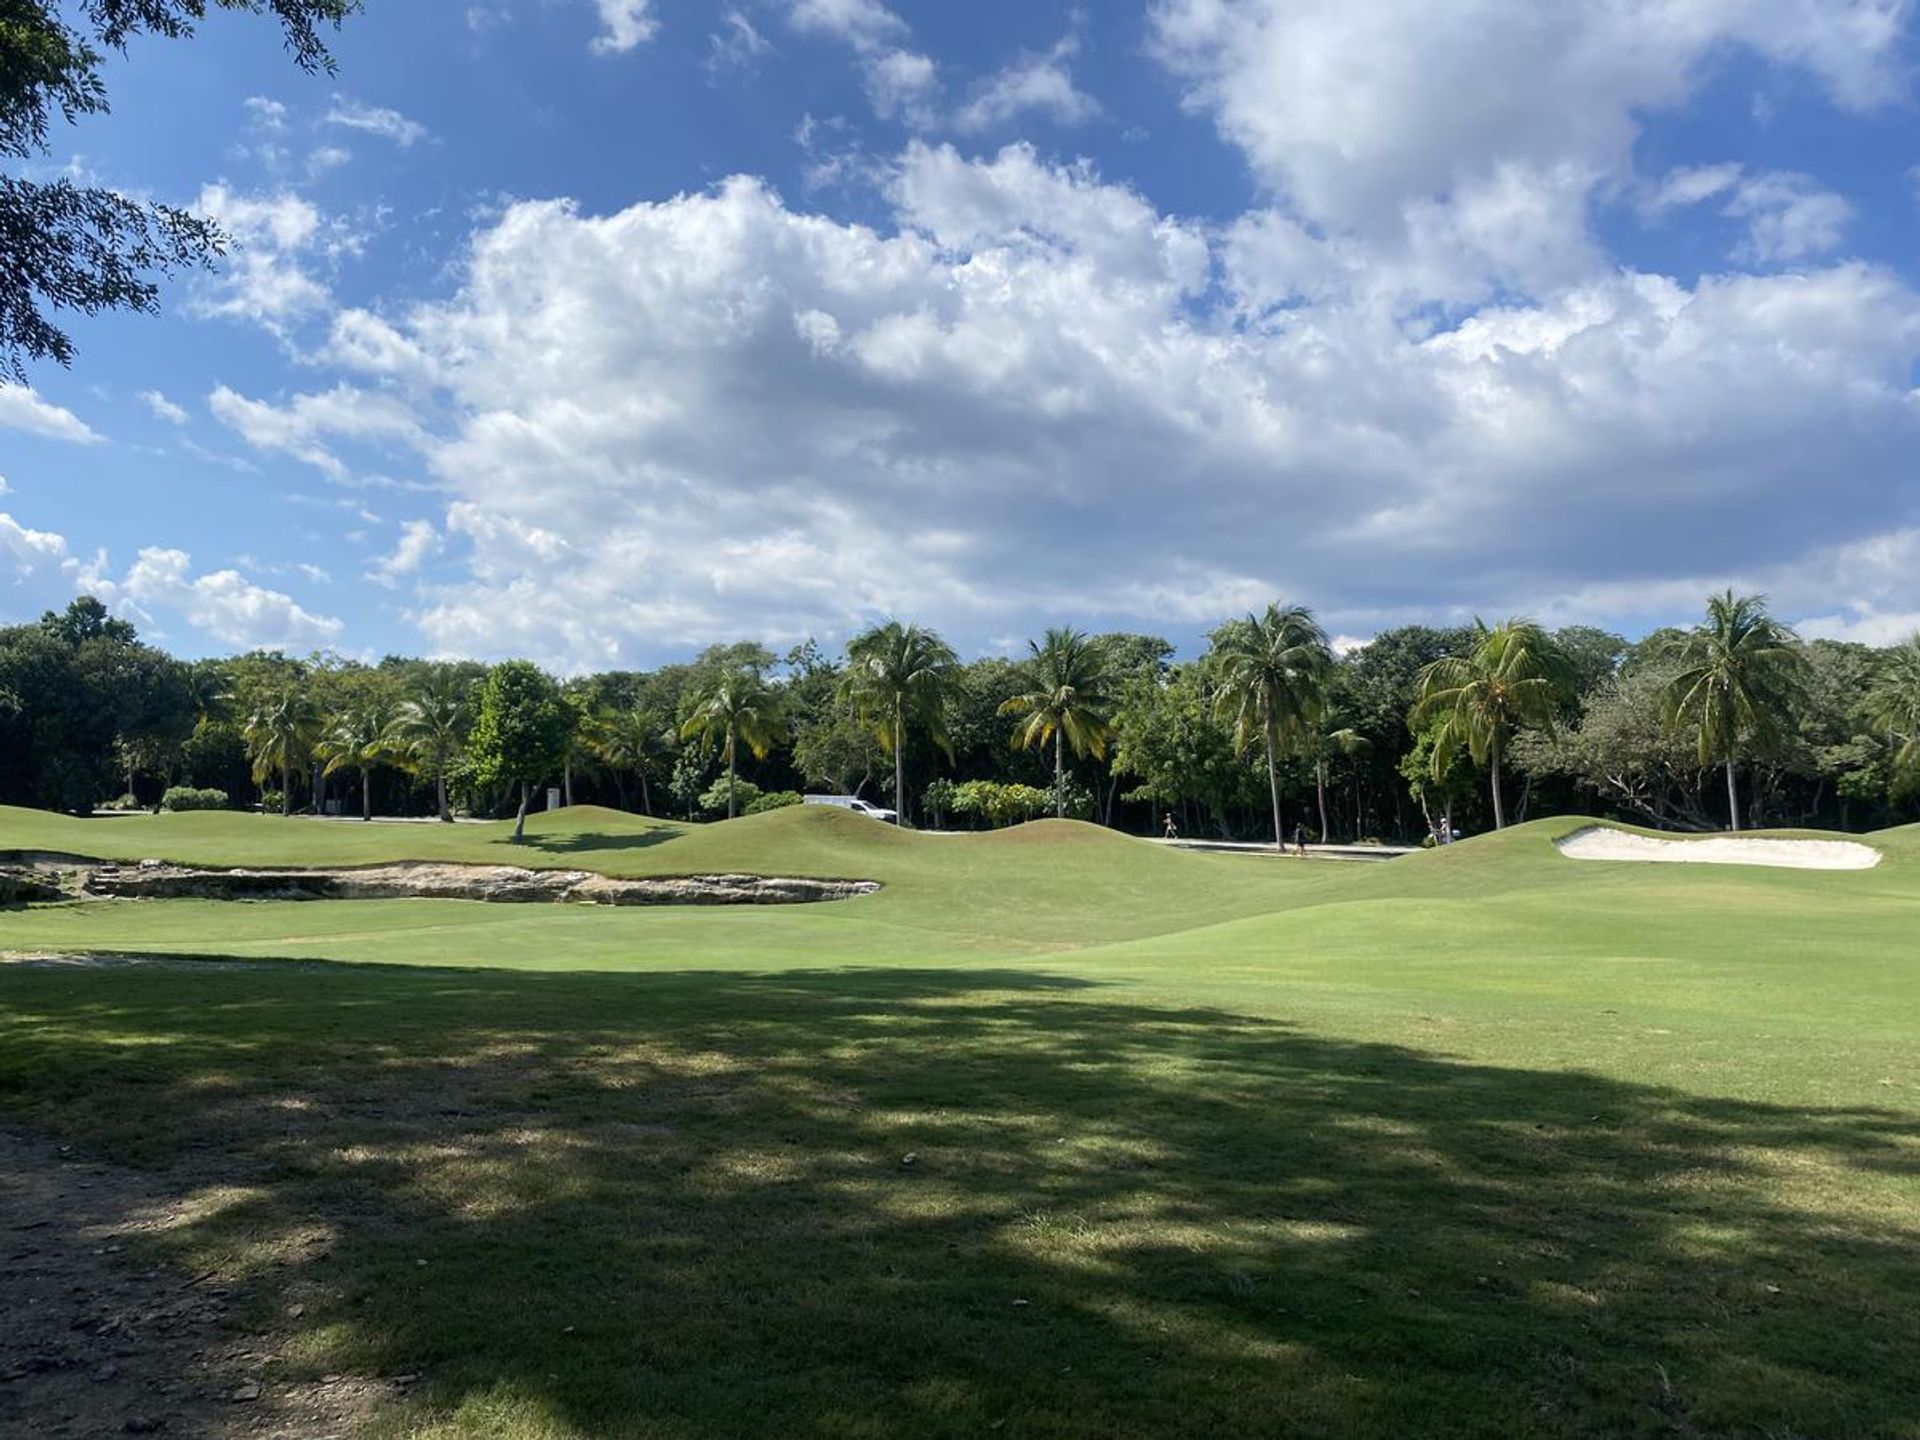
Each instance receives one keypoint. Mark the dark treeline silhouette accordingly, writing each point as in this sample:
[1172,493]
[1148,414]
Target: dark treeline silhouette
[1268,734]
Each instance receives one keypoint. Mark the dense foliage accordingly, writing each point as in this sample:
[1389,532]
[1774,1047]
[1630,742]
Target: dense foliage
[1266,733]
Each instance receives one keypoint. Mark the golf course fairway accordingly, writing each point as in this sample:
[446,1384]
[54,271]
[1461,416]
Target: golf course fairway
[1060,1134]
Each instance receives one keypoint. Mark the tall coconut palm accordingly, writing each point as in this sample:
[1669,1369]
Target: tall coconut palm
[359,739]
[1893,702]
[1070,680]
[731,709]
[430,730]
[1736,675]
[279,732]
[1270,674]
[901,678]
[1514,676]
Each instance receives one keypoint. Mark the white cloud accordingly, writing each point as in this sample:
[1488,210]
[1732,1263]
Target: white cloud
[1035,82]
[376,120]
[222,604]
[36,568]
[737,44]
[301,427]
[267,276]
[865,23]
[21,408]
[418,542]
[162,407]
[1376,119]
[1788,216]
[716,415]
[266,114]
[901,83]
[39,568]
[624,25]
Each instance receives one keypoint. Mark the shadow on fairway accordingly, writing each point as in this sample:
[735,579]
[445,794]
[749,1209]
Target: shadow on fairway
[950,1202]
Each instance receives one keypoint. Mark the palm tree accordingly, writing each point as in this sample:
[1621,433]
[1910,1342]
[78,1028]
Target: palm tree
[430,730]
[731,709]
[1271,674]
[900,678]
[629,741]
[1068,700]
[279,733]
[359,738]
[1514,676]
[1736,674]
[1893,702]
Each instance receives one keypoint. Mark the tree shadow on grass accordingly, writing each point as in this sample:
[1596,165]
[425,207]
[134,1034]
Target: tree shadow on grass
[584,842]
[946,1202]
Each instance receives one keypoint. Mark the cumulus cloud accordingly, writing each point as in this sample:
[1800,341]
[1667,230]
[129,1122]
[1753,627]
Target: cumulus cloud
[222,604]
[624,24]
[278,240]
[160,587]
[21,408]
[376,120]
[1387,119]
[716,415]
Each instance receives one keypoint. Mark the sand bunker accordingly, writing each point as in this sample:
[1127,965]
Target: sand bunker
[1598,842]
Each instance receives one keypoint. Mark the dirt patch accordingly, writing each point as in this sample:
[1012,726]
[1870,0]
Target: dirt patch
[96,1341]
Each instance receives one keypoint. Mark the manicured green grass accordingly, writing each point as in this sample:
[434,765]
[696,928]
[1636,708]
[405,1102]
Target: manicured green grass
[1479,1142]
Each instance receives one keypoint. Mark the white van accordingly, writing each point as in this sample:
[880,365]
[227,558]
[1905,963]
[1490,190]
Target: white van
[853,803]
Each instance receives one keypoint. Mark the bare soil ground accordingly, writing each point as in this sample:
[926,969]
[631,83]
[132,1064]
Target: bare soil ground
[95,1340]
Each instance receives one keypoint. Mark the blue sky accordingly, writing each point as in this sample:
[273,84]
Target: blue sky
[598,330]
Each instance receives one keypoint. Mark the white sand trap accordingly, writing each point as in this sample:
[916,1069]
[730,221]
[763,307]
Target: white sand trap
[1599,842]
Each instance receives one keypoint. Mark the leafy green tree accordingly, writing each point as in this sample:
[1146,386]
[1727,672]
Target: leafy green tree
[1734,678]
[632,742]
[429,731]
[1893,704]
[731,709]
[280,732]
[1271,673]
[901,678]
[1343,742]
[86,248]
[1514,676]
[360,738]
[520,736]
[1067,700]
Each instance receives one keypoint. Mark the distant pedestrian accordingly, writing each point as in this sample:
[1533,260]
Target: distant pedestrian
[1300,839]
[1172,829]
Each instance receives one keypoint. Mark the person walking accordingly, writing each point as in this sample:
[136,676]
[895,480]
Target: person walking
[1300,839]
[1172,828]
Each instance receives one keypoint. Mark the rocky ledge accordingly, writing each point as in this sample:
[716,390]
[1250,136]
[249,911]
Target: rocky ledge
[158,880]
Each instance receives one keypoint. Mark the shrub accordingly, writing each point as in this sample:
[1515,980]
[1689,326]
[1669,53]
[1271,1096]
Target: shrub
[186,797]
[713,800]
[772,800]
[937,801]
[125,802]
[999,804]
[269,800]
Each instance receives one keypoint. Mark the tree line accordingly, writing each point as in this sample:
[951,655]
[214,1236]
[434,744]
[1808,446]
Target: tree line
[1734,721]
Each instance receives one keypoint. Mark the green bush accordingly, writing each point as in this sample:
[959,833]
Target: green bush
[124,803]
[999,804]
[270,801]
[186,797]
[713,800]
[772,800]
